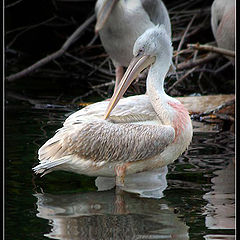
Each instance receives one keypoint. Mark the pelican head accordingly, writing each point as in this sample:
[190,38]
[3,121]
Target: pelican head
[153,45]
[153,42]
[103,9]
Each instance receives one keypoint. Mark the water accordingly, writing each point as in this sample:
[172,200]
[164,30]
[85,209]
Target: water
[196,197]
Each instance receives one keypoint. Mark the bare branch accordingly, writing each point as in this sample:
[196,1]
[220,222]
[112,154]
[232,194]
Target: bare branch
[27,29]
[191,63]
[91,65]
[54,55]
[180,79]
[183,37]
[212,49]
[13,4]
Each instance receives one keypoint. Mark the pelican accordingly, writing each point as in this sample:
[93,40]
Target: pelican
[121,22]
[223,24]
[136,134]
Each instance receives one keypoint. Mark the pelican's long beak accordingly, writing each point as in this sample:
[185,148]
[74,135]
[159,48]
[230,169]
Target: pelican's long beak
[104,13]
[136,66]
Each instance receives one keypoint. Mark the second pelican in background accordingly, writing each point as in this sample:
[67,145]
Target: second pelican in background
[121,22]
[223,24]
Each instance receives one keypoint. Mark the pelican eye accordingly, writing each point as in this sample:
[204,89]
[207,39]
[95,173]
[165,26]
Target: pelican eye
[140,52]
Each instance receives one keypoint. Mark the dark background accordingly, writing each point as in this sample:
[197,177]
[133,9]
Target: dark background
[35,29]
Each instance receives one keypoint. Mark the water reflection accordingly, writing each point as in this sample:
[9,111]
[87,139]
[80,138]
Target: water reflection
[220,210]
[199,182]
[109,215]
[146,184]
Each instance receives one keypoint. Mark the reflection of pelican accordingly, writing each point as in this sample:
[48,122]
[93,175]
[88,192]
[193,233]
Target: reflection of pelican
[121,22]
[146,184]
[96,215]
[220,211]
[223,23]
[145,132]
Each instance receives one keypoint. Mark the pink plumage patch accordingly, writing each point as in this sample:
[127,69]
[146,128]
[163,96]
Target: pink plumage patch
[181,118]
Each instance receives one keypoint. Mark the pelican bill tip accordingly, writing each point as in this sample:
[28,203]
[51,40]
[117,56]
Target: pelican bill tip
[106,115]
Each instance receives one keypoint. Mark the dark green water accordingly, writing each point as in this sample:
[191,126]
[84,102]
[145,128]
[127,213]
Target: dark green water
[198,202]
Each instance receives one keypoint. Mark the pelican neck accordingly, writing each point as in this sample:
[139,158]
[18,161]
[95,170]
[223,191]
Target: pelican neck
[155,88]
[124,10]
[156,76]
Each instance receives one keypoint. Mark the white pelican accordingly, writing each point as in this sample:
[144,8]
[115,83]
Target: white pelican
[223,24]
[121,22]
[144,132]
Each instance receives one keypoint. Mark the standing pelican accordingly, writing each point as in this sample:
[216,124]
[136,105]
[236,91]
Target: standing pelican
[121,22]
[143,132]
[223,24]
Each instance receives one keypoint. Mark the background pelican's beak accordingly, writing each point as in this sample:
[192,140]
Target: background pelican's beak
[136,66]
[104,13]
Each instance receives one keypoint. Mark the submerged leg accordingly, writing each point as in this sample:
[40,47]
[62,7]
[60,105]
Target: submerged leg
[119,75]
[120,174]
